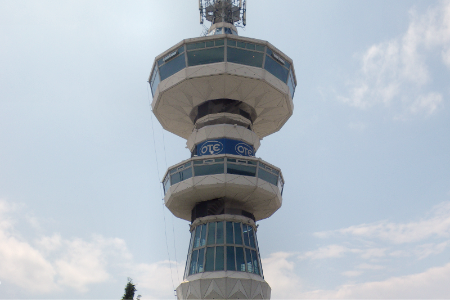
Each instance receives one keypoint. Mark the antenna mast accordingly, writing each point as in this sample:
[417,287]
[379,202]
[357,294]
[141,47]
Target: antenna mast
[228,11]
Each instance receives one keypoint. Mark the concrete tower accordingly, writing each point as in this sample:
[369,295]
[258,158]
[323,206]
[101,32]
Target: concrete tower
[223,93]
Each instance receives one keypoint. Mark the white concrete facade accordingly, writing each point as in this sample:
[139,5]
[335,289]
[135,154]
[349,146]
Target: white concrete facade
[233,91]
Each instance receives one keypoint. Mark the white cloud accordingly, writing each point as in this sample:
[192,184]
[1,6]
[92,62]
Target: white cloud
[396,73]
[426,104]
[423,251]
[330,251]
[430,284]
[436,225]
[279,272]
[156,279]
[52,263]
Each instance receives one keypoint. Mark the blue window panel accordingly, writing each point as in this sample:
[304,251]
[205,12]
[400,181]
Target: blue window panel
[227,30]
[245,230]
[209,263]
[166,184]
[245,57]
[266,176]
[240,260]
[209,169]
[219,258]
[154,80]
[211,234]
[248,256]
[206,56]
[291,85]
[180,176]
[219,236]
[200,264]
[193,267]
[231,259]
[276,69]
[251,236]
[173,66]
[237,234]
[241,170]
[194,46]
[203,236]
[229,227]
[255,263]
[197,236]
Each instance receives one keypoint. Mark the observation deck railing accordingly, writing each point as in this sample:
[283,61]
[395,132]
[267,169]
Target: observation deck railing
[223,164]
[223,48]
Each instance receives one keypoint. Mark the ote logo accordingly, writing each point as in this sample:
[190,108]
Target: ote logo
[244,149]
[211,148]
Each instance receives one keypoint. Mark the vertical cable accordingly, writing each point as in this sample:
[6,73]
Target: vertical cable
[160,188]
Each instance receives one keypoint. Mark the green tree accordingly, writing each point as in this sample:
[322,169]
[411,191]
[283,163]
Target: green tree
[130,289]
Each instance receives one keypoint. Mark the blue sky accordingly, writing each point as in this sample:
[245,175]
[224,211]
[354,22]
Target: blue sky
[366,207]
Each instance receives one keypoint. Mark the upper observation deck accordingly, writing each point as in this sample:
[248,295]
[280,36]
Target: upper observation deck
[222,74]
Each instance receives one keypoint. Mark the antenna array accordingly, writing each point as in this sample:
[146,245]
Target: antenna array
[229,11]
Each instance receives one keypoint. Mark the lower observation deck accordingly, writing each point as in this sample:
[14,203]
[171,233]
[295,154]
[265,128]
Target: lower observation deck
[249,183]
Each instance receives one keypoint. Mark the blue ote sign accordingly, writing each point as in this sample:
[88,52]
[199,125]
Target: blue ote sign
[225,146]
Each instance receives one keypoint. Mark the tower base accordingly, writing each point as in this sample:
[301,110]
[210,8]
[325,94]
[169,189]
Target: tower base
[224,285]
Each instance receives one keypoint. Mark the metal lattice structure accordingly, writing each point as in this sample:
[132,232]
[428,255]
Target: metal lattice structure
[228,11]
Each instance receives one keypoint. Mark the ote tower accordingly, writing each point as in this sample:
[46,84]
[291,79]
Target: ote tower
[223,93]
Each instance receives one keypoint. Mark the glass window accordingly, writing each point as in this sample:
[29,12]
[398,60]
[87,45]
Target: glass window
[229,231]
[172,66]
[211,233]
[251,46]
[231,259]
[240,44]
[248,256]
[220,42]
[193,262]
[234,32]
[154,80]
[180,176]
[201,257]
[291,84]
[269,177]
[245,57]
[276,69]
[251,236]
[197,236]
[209,169]
[240,261]
[237,234]
[255,263]
[231,43]
[203,236]
[209,263]
[195,46]
[166,184]
[241,170]
[209,44]
[260,48]
[227,30]
[246,241]
[219,258]
[218,30]
[219,236]
[206,56]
